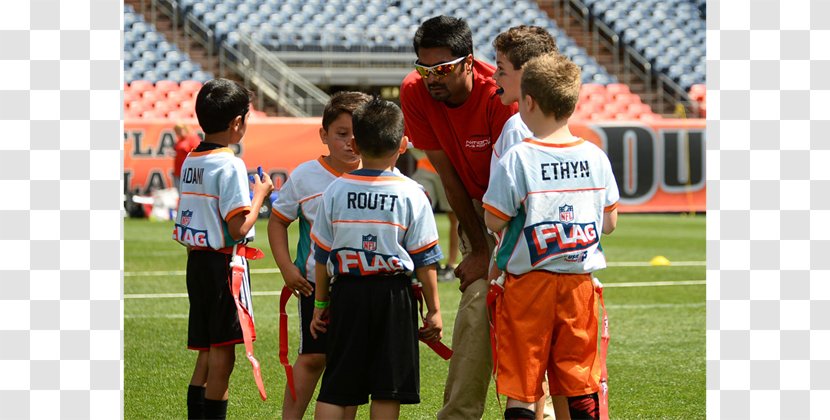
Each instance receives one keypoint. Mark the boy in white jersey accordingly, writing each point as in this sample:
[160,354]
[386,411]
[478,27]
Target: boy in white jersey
[374,229]
[216,219]
[550,199]
[299,199]
[514,47]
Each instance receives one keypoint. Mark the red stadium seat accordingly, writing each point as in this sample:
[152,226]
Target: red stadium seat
[189,86]
[626,99]
[587,108]
[149,97]
[614,89]
[174,97]
[590,88]
[650,116]
[163,107]
[141,86]
[639,109]
[136,106]
[601,116]
[187,105]
[149,114]
[614,108]
[165,86]
[624,116]
[598,98]
[131,95]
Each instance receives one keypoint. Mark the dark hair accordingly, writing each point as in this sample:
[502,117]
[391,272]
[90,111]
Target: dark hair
[220,101]
[553,82]
[343,103]
[445,32]
[521,43]
[378,128]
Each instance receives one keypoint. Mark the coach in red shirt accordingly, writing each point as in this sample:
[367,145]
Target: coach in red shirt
[185,143]
[452,112]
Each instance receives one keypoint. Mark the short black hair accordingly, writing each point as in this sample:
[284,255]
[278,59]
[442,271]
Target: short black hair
[378,128]
[343,102]
[445,32]
[220,101]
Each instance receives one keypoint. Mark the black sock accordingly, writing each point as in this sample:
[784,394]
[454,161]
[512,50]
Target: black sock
[195,402]
[584,407]
[216,409]
[516,413]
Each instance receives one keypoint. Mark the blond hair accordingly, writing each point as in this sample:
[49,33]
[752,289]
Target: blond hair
[553,81]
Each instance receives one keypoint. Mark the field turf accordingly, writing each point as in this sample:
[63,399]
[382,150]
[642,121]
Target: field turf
[656,359]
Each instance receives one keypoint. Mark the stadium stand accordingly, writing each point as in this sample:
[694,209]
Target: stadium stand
[670,34]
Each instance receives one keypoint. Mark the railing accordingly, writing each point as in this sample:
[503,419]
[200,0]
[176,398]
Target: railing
[169,8]
[199,32]
[272,77]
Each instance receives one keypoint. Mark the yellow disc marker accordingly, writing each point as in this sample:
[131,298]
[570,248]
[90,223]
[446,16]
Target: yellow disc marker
[659,260]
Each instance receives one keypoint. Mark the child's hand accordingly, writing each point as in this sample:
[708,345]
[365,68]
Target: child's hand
[261,184]
[433,327]
[320,322]
[295,281]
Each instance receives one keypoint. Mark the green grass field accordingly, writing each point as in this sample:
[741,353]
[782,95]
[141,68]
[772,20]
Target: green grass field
[656,360]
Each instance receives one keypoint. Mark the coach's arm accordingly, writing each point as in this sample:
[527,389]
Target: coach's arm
[474,265]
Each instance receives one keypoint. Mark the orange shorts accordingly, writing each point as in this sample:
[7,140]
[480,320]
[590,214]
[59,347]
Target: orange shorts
[547,322]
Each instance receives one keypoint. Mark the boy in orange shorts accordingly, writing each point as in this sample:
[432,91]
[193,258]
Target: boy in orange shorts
[550,199]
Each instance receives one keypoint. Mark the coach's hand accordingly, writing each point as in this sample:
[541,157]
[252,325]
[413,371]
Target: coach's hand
[295,281]
[472,267]
[433,327]
[319,322]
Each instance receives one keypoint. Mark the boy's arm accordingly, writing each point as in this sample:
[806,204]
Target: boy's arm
[474,265]
[321,315]
[609,222]
[493,222]
[291,275]
[241,223]
[428,277]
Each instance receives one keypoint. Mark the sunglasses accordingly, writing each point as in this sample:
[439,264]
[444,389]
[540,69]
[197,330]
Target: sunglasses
[439,70]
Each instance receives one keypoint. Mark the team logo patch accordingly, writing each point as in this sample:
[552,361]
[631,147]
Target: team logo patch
[186,216]
[548,240]
[370,242]
[566,213]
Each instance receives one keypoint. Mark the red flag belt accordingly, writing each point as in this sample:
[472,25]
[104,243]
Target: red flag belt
[438,347]
[285,295]
[246,321]
[605,339]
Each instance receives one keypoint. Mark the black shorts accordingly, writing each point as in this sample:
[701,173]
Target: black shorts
[308,345]
[372,344]
[213,316]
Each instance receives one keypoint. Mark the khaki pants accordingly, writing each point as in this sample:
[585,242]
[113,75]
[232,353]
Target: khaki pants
[471,364]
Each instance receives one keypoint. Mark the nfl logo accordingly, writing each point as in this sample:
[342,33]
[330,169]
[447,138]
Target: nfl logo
[186,215]
[566,213]
[370,242]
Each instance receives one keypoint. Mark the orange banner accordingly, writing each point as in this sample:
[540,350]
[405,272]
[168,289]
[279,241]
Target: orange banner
[659,166]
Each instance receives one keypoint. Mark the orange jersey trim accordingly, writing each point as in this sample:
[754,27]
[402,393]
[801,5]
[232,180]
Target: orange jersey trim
[236,211]
[320,244]
[200,195]
[378,222]
[208,152]
[495,212]
[559,145]
[424,248]
[611,208]
[328,167]
[280,216]
[309,198]
[364,178]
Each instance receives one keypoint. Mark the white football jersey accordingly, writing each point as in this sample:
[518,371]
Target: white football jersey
[299,199]
[554,197]
[214,188]
[514,132]
[375,222]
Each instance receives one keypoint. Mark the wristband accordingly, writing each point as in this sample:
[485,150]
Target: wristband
[321,304]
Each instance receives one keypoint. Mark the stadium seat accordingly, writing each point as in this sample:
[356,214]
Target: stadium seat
[163,87]
[141,86]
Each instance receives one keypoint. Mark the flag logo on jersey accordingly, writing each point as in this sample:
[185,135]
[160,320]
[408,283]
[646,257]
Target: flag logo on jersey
[566,213]
[370,242]
[186,216]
